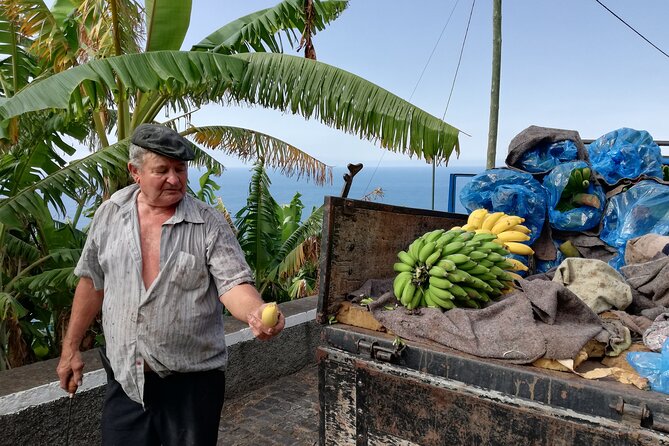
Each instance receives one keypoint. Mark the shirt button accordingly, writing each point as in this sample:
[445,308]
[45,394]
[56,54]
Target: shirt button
[139,362]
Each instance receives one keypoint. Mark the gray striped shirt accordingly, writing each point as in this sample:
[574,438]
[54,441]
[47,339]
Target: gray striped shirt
[177,324]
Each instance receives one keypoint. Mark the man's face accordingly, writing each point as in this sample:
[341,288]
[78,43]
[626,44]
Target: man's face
[162,180]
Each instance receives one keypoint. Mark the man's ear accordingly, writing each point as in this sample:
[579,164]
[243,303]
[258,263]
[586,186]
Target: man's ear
[134,172]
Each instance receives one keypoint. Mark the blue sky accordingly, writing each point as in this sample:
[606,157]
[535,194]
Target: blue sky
[565,64]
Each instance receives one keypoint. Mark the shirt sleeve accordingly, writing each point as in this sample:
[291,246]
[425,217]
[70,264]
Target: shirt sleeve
[225,258]
[89,264]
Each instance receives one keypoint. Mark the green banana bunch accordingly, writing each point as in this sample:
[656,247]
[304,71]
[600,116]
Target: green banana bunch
[454,268]
[575,192]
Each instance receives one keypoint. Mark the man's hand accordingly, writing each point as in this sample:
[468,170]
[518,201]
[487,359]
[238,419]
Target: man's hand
[70,369]
[259,330]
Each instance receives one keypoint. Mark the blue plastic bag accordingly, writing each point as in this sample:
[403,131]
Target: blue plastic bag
[577,219]
[509,191]
[625,153]
[653,366]
[544,157]
[642,209]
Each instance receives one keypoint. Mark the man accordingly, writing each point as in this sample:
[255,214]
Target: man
[161,265]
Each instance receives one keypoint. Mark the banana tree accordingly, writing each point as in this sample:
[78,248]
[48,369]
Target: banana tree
[277,244]
[89,70]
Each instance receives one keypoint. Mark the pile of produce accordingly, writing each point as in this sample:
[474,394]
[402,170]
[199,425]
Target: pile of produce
[462,267]
[575,194]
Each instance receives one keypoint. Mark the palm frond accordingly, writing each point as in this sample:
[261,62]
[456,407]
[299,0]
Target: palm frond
[37,22]
[288,83]
[257,223]
[257,31]
[250,145]
[52,279]
[292,256]
[97,28]
[85,172]
[199,77]
[166,23]
[346,102]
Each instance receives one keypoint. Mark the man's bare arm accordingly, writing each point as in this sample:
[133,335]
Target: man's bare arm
[245,304]
[86,305]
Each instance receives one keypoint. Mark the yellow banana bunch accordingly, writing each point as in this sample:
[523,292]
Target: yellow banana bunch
[510,231]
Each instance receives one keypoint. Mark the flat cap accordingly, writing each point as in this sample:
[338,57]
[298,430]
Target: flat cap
[163,141]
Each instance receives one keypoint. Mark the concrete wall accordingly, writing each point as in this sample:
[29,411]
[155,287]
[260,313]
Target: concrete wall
[34,410]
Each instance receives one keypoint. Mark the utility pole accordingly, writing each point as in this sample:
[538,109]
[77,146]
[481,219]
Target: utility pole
[494,89]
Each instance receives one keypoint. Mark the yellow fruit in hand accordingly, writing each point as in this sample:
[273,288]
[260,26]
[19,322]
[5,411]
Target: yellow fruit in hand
[270,315]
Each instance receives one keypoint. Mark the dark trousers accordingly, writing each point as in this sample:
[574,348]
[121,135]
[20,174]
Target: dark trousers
[180,409]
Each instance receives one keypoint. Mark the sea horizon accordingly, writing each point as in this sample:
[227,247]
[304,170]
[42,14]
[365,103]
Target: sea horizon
[407,186]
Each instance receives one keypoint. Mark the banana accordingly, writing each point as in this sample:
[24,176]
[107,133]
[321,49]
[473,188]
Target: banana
[496,270]
[513,236]
[439,282]
[515,276]
[441,298]
[494,257]
[400,282]
[478,269]
[433,235]
[402,267]
[491,219]
[478,255]
[440,293]
[578,177]
[515,265]
[520,228]
[425,251]
[585,173]
[479,284]
[469,264]
[446,237]
[492,246]
[429,301]
[469,227]
[518,248]
[457,276]
[446,264]
[483,237]
[433,258]
[415,247]
[505,223]
[416,299]
[452,248]
[457,258]
[407,293]
[437,271]
[469,303]
[406,258]
[457,291]
[476,217]
[471,292]
[483,231]
[485,262]
[465,236]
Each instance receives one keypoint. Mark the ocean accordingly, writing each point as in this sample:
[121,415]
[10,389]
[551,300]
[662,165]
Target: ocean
[401,186]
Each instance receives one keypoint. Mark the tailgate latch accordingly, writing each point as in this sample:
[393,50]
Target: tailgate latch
[376,351]
[633,415]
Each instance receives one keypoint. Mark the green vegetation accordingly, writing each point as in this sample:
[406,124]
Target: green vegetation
[82,71]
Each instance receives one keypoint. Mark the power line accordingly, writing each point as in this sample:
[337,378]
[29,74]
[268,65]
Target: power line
[416,86]
[457,68]
[632,28]
[433,50]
